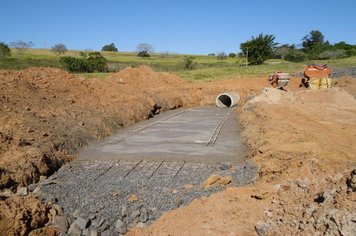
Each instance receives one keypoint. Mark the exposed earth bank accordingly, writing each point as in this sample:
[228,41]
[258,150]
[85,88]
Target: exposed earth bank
[303,141]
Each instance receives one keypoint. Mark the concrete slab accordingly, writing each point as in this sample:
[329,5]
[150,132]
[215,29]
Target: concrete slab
[203,134]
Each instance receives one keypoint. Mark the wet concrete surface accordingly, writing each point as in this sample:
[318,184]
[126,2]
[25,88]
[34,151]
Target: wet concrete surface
[155,160]
[204,134]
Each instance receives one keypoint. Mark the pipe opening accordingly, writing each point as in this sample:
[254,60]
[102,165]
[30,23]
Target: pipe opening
[227,99]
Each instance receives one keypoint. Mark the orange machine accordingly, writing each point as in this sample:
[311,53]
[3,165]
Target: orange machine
[317,76]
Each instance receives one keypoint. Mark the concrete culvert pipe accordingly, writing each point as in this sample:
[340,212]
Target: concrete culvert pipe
[229,99]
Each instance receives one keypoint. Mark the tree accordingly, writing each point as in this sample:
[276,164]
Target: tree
[313,43]
[221,56]
[4,51]
[283,50]
[21,46]
[258,49]
[232,55]
[144,50]
[110,48]
[59,49]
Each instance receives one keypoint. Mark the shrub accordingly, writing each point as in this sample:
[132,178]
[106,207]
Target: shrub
[95,62]
[221,56]
[143,54]
[295,56]
[4,51]
[340,53]
[232,55]
[83,54]
[188,63]
[74,64]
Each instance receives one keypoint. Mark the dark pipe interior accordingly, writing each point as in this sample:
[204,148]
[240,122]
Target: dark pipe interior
[226,100]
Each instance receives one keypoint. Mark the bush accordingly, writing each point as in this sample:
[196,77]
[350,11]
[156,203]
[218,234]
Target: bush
[110,48]
[74,64]
[188,63]
[95,62]
[221,56]
[232,55]
[340,53]
[143,54]
[4,51]
[83,54]
[295,56]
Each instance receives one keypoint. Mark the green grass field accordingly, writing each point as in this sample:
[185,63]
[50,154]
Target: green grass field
[206,67]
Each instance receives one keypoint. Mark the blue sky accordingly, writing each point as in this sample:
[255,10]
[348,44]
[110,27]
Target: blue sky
[184,26]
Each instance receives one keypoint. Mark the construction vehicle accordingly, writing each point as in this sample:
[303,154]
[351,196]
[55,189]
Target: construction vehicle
[316,77]
[279,80]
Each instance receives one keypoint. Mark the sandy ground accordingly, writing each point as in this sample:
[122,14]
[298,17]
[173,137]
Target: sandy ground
[303,141]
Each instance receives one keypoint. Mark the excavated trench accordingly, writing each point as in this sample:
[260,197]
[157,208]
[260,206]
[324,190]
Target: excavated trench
[133,177]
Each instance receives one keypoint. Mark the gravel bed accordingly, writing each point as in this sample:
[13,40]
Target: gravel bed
[110,197]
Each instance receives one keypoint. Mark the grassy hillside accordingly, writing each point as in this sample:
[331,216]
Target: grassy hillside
[205,67]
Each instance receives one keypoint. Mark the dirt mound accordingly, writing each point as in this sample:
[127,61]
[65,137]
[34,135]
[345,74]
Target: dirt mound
[346,83]
[18,216]
[331,96]
[144,75]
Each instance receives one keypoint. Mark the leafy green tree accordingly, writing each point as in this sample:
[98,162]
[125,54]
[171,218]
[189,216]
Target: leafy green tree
[258,49]
[59,49]
[232,55]
[4,51]
[110,48]
[314,43]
